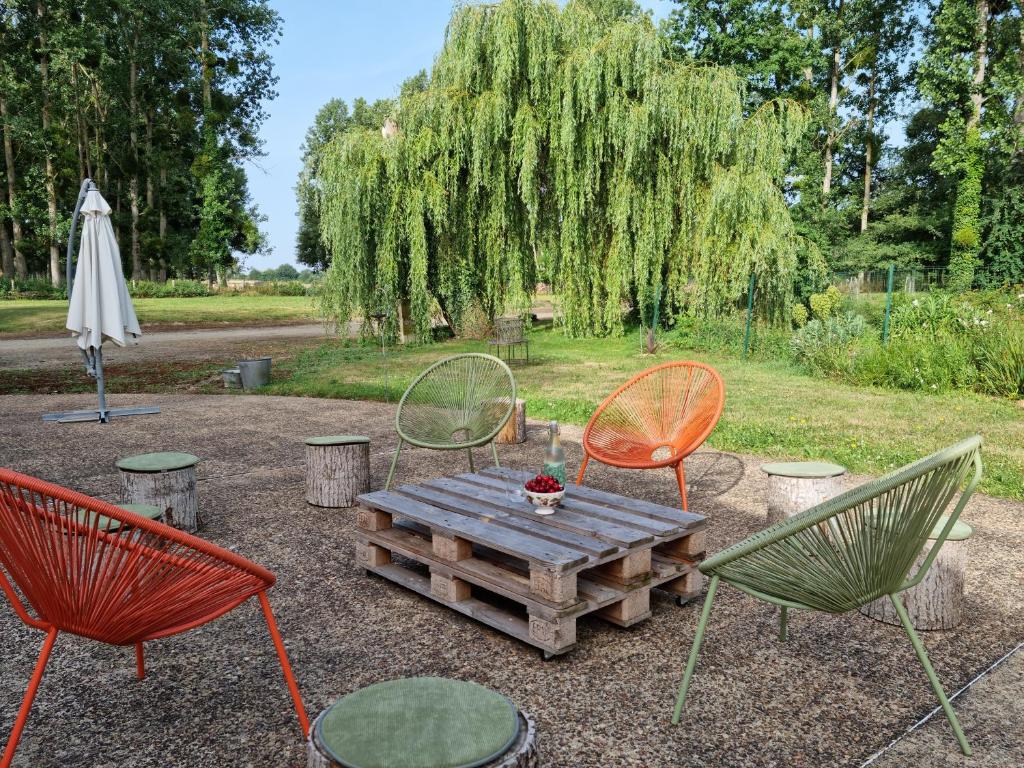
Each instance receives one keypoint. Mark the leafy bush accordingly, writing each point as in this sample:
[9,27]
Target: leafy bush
[935,364]
[147,289]
[827,303]
[824,346]
[999,357]
[767,342]
[799,315]
[30,288]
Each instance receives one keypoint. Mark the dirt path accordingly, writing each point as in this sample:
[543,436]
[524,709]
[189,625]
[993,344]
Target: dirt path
[196,344]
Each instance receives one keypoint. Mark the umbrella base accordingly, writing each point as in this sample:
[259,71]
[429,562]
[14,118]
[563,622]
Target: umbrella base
[94,415]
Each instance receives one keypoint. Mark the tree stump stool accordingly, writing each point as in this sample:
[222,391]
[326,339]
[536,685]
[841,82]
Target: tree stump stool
[938,601]
[795,486]
[337,470]
[165,480]
[110,525]
[423,722]
[514,430]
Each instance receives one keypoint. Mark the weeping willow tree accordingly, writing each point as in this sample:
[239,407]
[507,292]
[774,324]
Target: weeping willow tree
[551,131]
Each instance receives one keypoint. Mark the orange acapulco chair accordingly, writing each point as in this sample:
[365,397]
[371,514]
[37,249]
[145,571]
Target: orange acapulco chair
[142,581]
[656,419]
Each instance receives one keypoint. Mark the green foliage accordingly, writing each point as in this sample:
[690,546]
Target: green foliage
[562,136]
[134,91]
[966,241]
[823,345]
[726,334]
[826,304]
[146,289]
[999,357]
[800,315]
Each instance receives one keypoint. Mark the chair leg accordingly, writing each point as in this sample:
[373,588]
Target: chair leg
[30,694]
[784,624]
[282,656]
[697,640]
[583,468]
[140,662]
[494,450]
[932,677]
[681,479]
[394,464]
[469,452]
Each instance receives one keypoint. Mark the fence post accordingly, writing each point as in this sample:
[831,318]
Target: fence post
[750,312]
[888,305]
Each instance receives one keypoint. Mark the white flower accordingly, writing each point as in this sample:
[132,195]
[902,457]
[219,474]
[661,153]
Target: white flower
[989,312]
[916,303]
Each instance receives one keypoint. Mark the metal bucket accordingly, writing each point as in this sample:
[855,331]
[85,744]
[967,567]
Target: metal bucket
[254,373]
[232,378]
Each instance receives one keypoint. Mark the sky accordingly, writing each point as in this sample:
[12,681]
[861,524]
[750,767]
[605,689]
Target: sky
[341,49]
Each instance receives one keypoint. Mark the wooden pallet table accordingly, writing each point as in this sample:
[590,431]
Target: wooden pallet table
[465,543]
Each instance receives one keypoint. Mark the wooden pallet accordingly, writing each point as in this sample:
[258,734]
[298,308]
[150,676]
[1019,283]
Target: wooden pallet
[599,553]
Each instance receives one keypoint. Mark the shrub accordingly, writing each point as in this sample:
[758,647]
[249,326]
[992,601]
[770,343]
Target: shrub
[30,288]
[999,357]
[767,342]
[799,315]
[824,346]
[147,289]
[827,303]
[930,363]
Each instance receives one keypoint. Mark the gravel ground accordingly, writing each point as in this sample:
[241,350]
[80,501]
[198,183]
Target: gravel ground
[838,691]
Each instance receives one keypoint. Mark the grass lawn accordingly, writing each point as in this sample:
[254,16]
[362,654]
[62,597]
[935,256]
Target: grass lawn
[32,316]
[771,409]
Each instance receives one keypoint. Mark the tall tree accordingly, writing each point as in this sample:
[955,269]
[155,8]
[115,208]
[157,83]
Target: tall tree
[551,128]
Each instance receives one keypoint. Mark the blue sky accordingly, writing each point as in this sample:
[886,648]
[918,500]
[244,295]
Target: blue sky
[344,50]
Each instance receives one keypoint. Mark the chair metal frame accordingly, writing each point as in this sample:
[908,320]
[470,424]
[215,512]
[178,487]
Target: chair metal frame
[142,582]
[653,423]
[850,550]
[456,418]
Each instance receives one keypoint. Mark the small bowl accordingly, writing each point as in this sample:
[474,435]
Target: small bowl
[545,501]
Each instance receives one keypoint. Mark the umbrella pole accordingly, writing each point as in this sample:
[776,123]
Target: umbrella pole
[100,385]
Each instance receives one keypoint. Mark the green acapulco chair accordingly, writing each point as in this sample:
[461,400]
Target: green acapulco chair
[460,402]
[850,550]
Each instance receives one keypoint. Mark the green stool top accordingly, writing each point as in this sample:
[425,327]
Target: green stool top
[110,525]
[337,440]
[961,531]
[165,461]
[419,722]
[805,469]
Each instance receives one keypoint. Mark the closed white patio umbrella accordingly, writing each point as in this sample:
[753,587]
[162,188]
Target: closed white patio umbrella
[100,307]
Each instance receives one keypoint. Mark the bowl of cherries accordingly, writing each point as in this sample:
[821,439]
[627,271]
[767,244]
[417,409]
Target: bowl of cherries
[545,493]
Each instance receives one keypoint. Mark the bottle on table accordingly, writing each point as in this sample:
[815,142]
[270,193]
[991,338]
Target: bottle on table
[554,457]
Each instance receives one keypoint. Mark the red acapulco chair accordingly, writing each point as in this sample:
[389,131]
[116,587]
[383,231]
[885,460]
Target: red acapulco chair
[141,582]
[656,419]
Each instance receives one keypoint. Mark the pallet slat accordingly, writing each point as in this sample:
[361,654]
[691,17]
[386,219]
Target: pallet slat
[491,514]
[553,555]
[639,506]
[563,519]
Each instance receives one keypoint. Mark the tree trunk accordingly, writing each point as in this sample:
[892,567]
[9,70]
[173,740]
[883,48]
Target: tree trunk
[869,149]
[163,226]
[337,474]
[20,265]
[80,135]
[1018,115]
[133,140]
[6,253]
[204,52]
[833,108]
[966,239]
[980,60]
[51,173]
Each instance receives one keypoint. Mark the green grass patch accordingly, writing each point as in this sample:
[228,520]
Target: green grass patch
[31,316]
[772,409]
